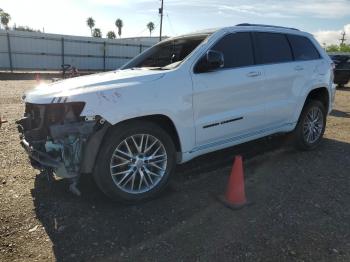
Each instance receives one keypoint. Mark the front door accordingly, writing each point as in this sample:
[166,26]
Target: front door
[228,102]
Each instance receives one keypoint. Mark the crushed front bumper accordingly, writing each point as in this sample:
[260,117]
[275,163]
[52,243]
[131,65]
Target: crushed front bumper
[57,139]
[43,161]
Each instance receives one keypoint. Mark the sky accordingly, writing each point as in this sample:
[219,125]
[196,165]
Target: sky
[326,19]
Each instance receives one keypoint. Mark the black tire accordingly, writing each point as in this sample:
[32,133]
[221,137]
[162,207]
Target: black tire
[300,139]
[102,172]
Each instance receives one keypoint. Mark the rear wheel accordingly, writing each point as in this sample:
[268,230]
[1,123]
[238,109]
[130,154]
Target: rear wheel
[311,125]
[135,161]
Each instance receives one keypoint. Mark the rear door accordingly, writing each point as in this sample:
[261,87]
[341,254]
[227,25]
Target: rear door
[281,76]
[309,66]
[228,102]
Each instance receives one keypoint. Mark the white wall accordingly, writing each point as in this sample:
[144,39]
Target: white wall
[40,51]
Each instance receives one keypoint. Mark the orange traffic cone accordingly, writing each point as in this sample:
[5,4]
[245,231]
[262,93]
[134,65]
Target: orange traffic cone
[235,194]
[37,78]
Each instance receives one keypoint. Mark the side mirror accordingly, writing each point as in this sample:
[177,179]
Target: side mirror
[215,59]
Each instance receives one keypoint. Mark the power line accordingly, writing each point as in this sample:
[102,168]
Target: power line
[171,25]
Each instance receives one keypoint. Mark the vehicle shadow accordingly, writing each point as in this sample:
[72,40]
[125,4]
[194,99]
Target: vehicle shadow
[343,88]
[92,227]
[338,113]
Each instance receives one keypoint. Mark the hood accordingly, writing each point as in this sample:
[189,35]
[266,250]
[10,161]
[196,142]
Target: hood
[46,93]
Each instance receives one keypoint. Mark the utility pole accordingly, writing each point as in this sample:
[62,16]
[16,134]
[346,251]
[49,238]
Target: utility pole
[161,21]
[342,39]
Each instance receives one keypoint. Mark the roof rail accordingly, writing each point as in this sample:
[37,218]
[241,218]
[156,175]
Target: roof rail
[247,24]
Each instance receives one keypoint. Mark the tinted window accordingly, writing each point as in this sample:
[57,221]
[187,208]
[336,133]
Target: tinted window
[302,48]
[237,49]
[272,48]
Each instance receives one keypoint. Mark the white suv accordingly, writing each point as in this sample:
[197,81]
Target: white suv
[184,97]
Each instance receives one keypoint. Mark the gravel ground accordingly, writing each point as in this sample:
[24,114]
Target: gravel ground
[301,209]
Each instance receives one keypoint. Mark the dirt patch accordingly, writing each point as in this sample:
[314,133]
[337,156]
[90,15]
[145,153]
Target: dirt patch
[301,210]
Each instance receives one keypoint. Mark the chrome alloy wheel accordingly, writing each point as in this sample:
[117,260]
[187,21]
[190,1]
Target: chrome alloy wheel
[138,163]
[313,125]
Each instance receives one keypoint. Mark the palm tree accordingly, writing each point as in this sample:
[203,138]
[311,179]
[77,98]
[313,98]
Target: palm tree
[97,33]
[150,27]
[90,23]
[5,19]
[1,11]
[119,25]
[111,35]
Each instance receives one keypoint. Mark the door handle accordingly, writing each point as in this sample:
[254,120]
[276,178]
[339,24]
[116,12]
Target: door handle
[298,68]
[254,74]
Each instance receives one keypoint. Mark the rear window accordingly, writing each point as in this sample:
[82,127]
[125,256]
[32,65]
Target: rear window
[272,48]
[303,48]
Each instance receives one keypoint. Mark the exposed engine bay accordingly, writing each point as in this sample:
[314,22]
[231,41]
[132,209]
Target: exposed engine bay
[57,138]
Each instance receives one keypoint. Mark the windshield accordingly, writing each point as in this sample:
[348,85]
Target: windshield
[168,54]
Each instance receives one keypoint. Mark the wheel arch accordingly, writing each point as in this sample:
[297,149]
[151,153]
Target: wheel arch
[94,143]
[164,122]
[321,94]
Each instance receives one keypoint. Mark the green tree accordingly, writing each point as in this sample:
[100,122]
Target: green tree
[97,33]
[90,23]
[1,11]
[150,27]
[119,24]
[344,48]
[338,48]
[24,28]
[5,19]
[332,48]
[111,35]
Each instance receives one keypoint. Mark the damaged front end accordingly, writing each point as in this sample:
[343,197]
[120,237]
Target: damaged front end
[59,140]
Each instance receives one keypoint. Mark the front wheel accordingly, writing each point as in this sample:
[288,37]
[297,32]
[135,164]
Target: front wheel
[311,125]
[135,161]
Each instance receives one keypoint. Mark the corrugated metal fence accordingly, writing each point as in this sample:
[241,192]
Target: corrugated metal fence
[40,51]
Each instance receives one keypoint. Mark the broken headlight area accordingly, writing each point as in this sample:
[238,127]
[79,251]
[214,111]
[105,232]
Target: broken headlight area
[54,136]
